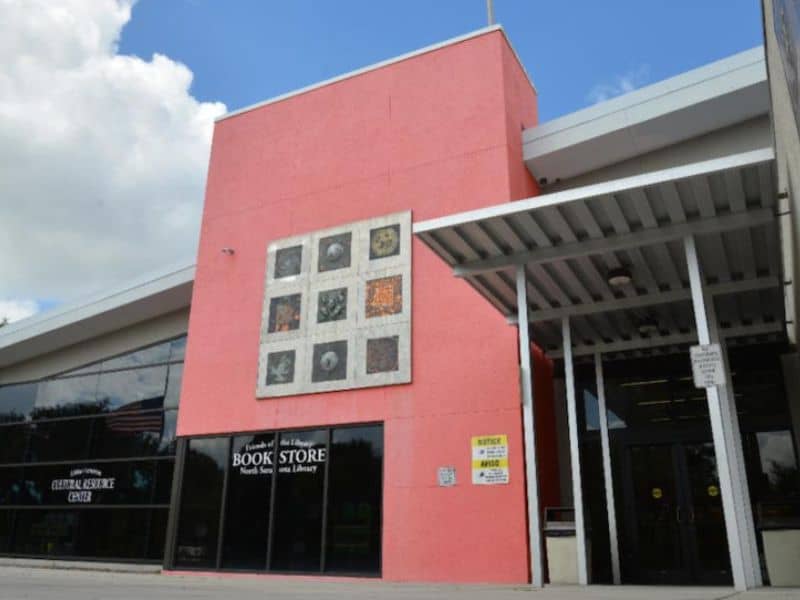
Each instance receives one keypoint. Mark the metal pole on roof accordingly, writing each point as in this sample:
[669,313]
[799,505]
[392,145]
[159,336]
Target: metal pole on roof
[490,11]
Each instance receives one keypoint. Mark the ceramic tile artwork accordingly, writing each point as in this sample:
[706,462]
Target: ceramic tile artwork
[337,309]
[384,296]
[382,354]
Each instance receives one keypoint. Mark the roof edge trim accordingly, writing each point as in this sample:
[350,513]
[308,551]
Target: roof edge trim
[379,65]
[596,189]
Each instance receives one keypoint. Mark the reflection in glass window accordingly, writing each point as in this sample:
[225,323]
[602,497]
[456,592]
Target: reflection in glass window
[201,499]
[247,507]
[16,402]
[779,473]
[177,349]
[174,386]
[6,523]
[68,397]
[45,532]
[354,500]
[148,356]
[13,443]
[166,446]
[59,440]
[127,434]
[298,501]
[120,534]
[10,486]
[139,389]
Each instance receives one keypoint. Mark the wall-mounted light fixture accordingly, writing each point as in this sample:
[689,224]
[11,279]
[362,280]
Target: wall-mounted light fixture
[228,251]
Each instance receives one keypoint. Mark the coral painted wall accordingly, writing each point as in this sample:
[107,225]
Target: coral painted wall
[436,133]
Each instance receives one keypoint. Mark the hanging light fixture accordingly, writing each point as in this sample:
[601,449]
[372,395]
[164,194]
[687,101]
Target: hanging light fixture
[619,277]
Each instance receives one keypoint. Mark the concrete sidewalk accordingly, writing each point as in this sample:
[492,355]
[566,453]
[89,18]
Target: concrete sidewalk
[18,583]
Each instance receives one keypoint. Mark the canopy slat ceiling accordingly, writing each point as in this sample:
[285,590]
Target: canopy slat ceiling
[570,241]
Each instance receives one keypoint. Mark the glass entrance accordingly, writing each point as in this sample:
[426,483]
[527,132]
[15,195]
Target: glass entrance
[673,513]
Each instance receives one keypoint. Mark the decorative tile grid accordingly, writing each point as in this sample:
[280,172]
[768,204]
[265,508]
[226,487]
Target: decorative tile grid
[337,309]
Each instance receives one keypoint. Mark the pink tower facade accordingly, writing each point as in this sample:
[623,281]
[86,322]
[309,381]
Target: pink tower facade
[435,133]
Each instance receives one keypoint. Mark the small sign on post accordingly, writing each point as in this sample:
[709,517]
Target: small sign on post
[707,366]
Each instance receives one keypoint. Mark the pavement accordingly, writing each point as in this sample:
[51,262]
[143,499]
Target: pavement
[30,583]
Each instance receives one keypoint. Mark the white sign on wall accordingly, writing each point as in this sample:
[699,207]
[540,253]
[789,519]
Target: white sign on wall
[446,476]
[707,366]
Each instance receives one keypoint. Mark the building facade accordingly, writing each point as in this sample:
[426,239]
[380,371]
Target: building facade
[421,324]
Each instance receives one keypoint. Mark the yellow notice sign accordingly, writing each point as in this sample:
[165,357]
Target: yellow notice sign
[489,459]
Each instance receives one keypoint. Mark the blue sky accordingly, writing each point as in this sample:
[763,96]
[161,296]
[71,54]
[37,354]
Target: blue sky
[576,51]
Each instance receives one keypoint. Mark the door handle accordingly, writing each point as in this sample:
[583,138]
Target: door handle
[678,514]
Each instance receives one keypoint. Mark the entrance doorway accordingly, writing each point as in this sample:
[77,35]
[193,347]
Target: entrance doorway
[673,514]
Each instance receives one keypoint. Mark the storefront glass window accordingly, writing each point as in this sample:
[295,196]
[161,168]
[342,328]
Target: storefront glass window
[311,504]
[354,500]
[298,501]
[108,446]
[201,498]
[247,507]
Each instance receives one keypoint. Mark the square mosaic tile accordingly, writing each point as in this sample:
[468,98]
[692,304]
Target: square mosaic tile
[288,261]
[383,355]
[384,242]
[334,252]
[280,367]
[384,296]
[332,305]
[329,361]
[284,313]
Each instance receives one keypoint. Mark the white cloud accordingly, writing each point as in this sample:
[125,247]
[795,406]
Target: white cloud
[621,84]
[14,310]
[102,156]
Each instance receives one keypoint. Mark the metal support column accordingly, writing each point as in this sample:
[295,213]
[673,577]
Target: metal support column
[575,461]
[531,469]
[608,477]
[727,440]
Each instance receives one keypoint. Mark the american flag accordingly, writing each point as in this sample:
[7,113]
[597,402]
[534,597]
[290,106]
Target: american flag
[136,418]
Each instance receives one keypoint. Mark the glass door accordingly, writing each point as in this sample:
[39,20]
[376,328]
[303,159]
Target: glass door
[705,522]
[674,522]
[652,515]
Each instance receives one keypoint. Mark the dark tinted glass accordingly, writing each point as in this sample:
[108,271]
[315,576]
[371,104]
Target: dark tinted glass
[354,500]
[247,506]
[16,402]
[200,502]
[164,470]
[60,440]
[167,444]
[148,356]
[6,524]
[173,386]
[158,533]
[112,534]
[10,485]
[139,389]
[45,532]
[68,397]
[103,483]
[298,502]
[127,434]
[13,441]
[178,348]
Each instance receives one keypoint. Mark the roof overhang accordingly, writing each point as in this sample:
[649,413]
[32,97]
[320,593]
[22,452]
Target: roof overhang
[133,303]
[569,241]
[723,93]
